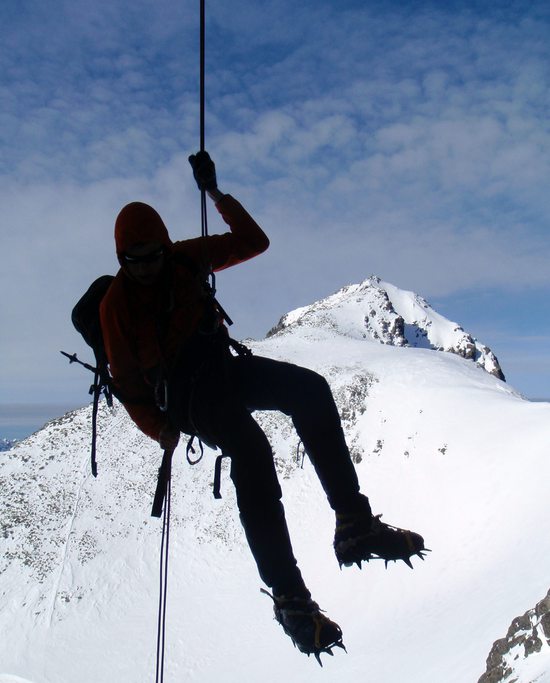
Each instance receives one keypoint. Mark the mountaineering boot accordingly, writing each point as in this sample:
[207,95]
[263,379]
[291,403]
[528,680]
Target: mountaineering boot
[360,536]
[306,625]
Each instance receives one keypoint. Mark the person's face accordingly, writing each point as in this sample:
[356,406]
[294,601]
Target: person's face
[144,262]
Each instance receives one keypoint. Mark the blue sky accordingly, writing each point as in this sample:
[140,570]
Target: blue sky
[406,140]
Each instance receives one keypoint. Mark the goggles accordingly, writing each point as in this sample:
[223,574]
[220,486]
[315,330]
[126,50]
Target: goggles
[145,258]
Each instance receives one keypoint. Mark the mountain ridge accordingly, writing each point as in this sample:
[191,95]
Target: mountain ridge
[381,312]
[440,446]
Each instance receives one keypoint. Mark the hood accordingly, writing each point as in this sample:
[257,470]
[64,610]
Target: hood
[139,223]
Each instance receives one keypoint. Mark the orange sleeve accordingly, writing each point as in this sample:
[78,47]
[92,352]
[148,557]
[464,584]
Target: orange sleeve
[130,386]
[244,241]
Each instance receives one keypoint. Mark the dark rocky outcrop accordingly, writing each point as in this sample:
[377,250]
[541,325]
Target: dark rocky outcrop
[526,636]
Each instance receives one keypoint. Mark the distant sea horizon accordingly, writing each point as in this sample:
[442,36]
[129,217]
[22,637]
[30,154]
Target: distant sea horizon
[20,420]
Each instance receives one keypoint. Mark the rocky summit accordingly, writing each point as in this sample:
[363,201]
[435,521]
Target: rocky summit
[382,312]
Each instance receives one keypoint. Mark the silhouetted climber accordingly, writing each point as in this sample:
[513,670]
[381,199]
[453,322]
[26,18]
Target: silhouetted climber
[170,360]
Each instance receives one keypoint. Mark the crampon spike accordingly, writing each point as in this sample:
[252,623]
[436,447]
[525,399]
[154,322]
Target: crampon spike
[327,651]
[407,561]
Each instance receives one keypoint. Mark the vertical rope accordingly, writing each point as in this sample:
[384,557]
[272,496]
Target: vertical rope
[165,543]
[202,88]
[163,593]
[202,70]
[204,220]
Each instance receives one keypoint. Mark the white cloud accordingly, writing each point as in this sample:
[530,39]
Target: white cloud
[411,144]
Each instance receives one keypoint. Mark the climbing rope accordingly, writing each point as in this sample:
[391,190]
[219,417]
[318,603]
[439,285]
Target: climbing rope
[163,494]
[202,70]
[165,475]
[202,97]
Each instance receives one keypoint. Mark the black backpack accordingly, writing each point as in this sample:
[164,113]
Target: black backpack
[85,318]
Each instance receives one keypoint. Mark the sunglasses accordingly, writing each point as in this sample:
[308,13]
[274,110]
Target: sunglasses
[145,258]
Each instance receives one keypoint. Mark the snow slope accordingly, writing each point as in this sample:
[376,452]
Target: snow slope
[441,446]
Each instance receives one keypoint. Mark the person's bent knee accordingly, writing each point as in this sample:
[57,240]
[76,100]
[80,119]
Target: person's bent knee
[311,386]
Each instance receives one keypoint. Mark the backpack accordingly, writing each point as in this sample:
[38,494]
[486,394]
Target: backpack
[85,318]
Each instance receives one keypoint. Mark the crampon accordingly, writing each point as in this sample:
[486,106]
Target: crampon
[361,538]
[303,621]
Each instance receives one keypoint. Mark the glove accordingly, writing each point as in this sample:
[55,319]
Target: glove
[204,171]
[169,438]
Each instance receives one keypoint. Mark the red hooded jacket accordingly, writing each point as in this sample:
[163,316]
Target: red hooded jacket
[130,312]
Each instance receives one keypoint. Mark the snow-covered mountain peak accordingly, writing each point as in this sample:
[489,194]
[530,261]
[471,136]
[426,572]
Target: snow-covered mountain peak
[439,447]
[378,311]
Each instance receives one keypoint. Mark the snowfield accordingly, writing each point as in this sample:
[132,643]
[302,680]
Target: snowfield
[441,446]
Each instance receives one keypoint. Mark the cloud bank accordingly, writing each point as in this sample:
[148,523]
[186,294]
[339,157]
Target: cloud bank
[410,141]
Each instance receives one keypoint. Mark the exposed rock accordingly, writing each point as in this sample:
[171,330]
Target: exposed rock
[526,637]
[378,311]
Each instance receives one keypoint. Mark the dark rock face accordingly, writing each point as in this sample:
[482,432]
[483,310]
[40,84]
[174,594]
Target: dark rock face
[526,637]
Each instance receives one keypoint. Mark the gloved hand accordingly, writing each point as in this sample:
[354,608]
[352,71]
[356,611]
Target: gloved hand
[169,437]
[204,171]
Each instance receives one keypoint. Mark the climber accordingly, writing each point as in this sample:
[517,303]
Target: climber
[171,363]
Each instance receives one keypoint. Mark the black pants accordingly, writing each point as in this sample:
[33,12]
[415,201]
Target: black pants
[222,398]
